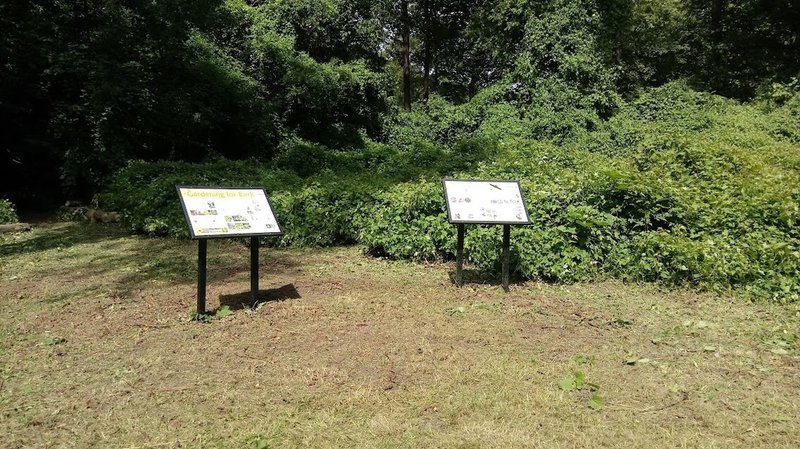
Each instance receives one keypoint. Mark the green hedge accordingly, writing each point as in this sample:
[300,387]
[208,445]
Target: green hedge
[145,194]
[7,212]
[318,193]
[679,187]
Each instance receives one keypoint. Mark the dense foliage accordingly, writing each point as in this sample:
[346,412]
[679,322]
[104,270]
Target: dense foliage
[7,212]
[679,187]
[656,140]
[88,85]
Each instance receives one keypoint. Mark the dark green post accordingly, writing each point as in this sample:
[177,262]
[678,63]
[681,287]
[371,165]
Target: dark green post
[254,270]
[460,256]
[202,252]
[506,244]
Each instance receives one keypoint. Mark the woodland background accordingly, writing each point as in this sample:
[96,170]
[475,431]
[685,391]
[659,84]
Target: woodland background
[655,140]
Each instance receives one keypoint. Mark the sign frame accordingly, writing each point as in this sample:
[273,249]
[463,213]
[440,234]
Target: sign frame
[478,222]
[506,248]
[202,246]
[187,216]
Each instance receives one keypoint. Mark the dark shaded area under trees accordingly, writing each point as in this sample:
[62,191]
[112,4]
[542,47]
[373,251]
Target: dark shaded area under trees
[87,85]
[655,140]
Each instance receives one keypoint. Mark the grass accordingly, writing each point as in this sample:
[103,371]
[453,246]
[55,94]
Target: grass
[97,350]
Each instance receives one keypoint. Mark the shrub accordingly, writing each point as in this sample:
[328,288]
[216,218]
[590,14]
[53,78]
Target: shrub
[144,192]
[408,221]
[7,212]
[323,213]
[679,188]
[308,159]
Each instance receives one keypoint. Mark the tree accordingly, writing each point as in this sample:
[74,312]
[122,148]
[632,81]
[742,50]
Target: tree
[405,35]
[735,46]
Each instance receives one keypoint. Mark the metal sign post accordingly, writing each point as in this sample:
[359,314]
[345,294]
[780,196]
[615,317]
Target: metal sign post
[202,252]
[220,212]
[254,270]
[485,202]
[460,256]
[506,251]
[202,268]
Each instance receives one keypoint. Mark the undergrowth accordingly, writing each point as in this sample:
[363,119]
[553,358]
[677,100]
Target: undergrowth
[7,212]
[677,187]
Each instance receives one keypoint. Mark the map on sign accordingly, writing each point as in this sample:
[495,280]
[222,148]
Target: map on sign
[485,202]
[228,212]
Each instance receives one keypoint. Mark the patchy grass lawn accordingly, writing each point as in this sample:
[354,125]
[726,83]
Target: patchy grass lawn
[97,350]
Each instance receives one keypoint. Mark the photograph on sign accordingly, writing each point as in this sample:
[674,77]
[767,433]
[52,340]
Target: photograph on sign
[228,212]
[485,202]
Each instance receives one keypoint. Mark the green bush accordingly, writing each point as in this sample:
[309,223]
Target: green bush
[408,221]
[320,211]
[144,192]
[7,212]
[323,213]
[308,159]
[679,188]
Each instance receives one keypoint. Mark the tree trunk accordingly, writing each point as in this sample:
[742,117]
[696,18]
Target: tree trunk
[717,11]
[406,36]
[717,60]
[427,59]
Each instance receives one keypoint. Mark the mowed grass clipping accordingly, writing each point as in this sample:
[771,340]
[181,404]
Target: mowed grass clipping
[97,349]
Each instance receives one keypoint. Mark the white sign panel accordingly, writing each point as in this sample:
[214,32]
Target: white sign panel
[228,212]
[486,202]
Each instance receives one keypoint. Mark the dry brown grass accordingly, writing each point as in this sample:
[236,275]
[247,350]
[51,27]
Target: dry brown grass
[372,353]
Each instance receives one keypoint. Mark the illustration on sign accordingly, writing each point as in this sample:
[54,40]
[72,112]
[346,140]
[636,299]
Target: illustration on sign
[228,212]
[485,202]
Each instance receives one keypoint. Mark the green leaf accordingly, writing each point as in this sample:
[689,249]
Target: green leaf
[455,311]
[580,379]
[202,317]
[596,402]
[223,311]
[52,340]
[260,443]
[622,322]
[567,384]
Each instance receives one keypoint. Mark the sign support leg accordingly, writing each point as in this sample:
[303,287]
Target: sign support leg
[460,256]
[254,270]
[202,252]
[506,244]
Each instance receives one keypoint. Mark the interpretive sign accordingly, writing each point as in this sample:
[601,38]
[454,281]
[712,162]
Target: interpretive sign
[215,212]
[485,202]
[228,212]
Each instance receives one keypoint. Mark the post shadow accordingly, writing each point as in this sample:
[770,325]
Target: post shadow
[475,276]
[238,301]
[458,277]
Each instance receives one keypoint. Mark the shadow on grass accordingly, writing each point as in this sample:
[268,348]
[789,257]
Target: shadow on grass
[63,236]
[243,300]
[482,277]
[80,258]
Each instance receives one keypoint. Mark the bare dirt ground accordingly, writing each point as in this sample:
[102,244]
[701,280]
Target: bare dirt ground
[97,349]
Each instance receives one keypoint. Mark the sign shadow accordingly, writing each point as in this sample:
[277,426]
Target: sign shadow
[481,277]
[238,301]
